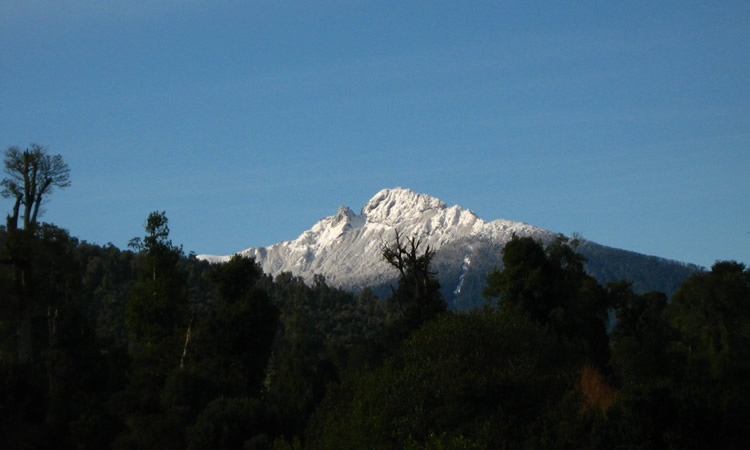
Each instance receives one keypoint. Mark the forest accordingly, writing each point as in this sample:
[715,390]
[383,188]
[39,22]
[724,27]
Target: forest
[150,348]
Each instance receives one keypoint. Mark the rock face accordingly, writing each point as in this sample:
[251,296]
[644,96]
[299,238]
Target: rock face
[346,248]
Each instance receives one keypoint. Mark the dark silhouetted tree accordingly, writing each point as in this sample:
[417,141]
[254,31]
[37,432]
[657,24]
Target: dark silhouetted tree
[711,312]
[156,317]
[550,286]
[233,343]
[418,295]
[31,176]
[641,335]
[156,308]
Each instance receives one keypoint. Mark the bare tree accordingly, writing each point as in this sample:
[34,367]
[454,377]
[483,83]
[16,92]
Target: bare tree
[31,176]
[418,293]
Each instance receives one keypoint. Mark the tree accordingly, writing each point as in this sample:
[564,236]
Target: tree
[418,295]
[235,278]
[157,307]
[223,362]
[711,312]
[232,345]
[641,335]
[32,175]
[465,380]
[550,286]
[156,317]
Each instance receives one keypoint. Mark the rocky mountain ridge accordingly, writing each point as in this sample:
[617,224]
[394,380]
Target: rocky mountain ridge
[346,248]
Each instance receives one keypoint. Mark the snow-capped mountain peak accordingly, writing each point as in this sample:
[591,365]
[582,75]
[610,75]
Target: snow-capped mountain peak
[346,248]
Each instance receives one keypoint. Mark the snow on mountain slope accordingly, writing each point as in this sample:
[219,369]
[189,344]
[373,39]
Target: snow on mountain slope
[346,248]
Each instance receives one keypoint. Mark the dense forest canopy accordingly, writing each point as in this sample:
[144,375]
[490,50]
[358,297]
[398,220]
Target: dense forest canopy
[147,347]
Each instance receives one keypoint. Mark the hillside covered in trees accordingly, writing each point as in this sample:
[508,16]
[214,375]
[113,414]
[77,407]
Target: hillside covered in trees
[147,347]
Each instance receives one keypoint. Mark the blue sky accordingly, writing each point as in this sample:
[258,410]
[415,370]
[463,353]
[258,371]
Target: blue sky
[247,121]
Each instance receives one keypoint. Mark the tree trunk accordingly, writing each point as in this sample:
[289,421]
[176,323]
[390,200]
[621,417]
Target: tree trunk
[187,341]
[13,220]
[38,199]
[24,329]
[28,201]
[25,310]
[37,202]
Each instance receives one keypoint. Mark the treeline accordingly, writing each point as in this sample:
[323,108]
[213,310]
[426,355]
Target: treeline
[150,348]
[540,369]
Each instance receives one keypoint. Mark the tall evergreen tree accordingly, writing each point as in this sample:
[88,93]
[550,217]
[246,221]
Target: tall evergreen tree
[157,307]
[156,317]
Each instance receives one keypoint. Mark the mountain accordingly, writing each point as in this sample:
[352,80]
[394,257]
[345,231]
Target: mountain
[346,249]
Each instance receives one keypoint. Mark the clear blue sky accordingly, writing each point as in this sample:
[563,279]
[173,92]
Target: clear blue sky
[247,121]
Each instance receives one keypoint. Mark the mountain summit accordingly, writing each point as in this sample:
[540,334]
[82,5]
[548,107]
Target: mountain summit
[346,247]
